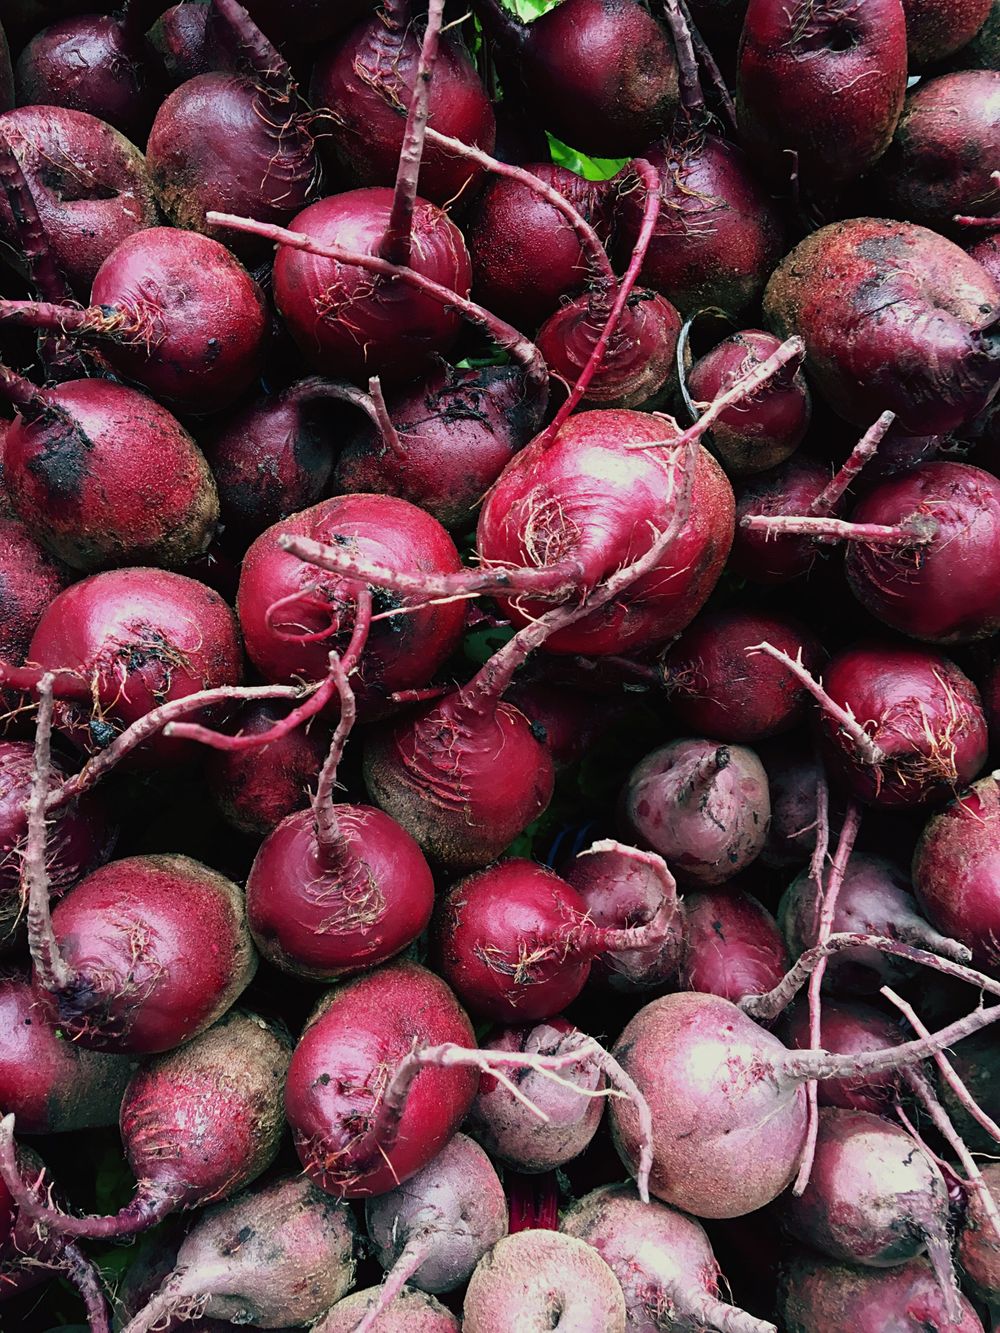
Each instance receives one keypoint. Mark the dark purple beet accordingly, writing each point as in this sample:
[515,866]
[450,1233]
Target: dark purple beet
[307,21]
[939,28]
[789,489]
[187,42]
[848,1027]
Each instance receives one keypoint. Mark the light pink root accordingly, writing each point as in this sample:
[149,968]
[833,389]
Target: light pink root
[414,1253]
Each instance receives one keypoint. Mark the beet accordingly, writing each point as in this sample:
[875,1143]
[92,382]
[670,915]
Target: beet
[938,28]
[733,946]
[703,807]
[978,1248]
[93,64]
[939,161]
[766,556]
[600,74]
[51,1085]
[187,41]
[255,789]
[534,1277]
[718,235]
[516,942]
[292,616]
[874,898]
[233,141]
[794,773]
[365,83]
[90,186]
[115,663]
[143,954]
[282,1251]
[752,437]
[955,869]
[664,1261]
[848,1027]
[216,1101]
[105,476]
[717,685]
[31,579]
[350,1141]
[623,887]
[818,1296]
[893,316]
[410,1312]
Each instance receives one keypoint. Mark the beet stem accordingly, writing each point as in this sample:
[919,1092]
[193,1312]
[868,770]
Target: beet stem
[865,449]
[382,419]
[714,1314]
[115,322]
[817,865]
[328,831]
[398,241]
[828,908]
[51,968]
[68,684]
[43,271]
[707,60]
[522,349]
[692,97]
[868,751]
[81,1273]
[260,55]
[417,1249]
[28,398]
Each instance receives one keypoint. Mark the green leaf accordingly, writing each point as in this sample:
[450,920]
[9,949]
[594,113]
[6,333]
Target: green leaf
[590,168]
[530,9]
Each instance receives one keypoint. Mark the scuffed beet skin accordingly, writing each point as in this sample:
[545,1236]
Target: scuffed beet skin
[398,654]
[80,836]
[366,81]
[849,1028]
[141,637]
[90,186]
[939,28]
[823,80]
[256,788]
[817,1296]
[600,74]
[718,235]
[350,1048]
[6,74]
[733,946]
[411,1311]
[458,430]
[939,161]
[893,316]
[525,255]
[347,322]
[949,590]
[111,479]
[583,496]
[159,948]
[52,1085]
[956,870]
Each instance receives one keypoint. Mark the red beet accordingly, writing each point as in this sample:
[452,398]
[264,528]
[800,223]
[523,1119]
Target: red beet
[759,435]
[143,954]
[939,161]
[90,186]
[847,1028]
[938,28]
[719,687]
[600,74]
[52,1085]
[794,771]
[818,1296]
[718,235]
[94,64]
[237,142]
[292,615]
[733,946]
[126,641]
[516,942]
[105,476]
[29,580]
[978,1249]
[187,41]
[623,887]
[893,316]
[955,869]
[366,82]
[197,1124]
[768,557]
[351,1143]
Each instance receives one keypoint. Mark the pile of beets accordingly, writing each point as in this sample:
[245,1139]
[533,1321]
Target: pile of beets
[500,666]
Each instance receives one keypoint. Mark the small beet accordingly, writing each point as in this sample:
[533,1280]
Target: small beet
[818,1296]
[733,946]
[31,579]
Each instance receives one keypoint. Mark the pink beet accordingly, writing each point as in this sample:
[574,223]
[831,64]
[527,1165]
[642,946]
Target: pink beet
[350,1142]
[411,1311]
[978,1248]
[818,1296]
[849,1027]
[733,946]
[794,770]
[31,579]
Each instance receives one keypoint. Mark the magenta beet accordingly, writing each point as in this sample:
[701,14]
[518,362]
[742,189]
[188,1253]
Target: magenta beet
[719,687]
[718,234]
[366,81]
[939,28]
[186,41]
[105,476]
[818,1295]
[49,1084]
[238,142]
[31,579]
[932,355]
[572,505]
[124,642]
[257,788]
[293,614]
[147,952]
[848,1027]
[753,436]
[89,184]
[791,488]
[623,887]
[350,1142]
[956,869]
[733,946]
[600,74]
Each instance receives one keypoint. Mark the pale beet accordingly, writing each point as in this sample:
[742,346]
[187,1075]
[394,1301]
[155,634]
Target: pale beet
[733,946]
[350,1143]
[848,1027]
[410,1312]
[704,807]
[538,1280]
[818,1296]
